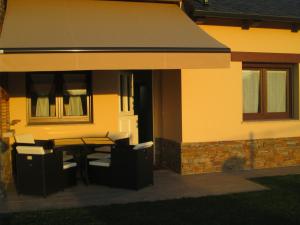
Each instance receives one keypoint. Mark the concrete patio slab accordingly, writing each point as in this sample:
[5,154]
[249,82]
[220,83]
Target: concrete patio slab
[168,185]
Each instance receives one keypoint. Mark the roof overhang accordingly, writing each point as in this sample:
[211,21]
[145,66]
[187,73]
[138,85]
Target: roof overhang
[219,13]
[93,34]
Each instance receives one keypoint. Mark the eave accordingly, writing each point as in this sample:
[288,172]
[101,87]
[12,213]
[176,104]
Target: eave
[245,20]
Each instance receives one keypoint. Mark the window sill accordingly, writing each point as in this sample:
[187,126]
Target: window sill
[59,123]
[271,120]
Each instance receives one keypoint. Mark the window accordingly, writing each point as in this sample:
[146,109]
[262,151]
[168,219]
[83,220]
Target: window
[267,91]
[59,97]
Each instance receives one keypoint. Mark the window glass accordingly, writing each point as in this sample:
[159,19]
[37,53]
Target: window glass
[276,91]
[43,95]
[251,93]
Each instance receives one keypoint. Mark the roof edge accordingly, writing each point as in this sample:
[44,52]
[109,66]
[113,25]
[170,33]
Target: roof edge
[201,13]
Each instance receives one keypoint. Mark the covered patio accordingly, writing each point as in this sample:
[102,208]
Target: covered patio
[71,75]
[68,73]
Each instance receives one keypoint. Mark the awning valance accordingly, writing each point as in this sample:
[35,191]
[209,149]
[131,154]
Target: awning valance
[94,34]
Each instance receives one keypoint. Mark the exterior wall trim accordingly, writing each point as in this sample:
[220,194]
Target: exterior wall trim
[264,57]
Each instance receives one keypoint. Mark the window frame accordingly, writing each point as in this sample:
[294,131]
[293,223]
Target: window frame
[59,117]
[263,114]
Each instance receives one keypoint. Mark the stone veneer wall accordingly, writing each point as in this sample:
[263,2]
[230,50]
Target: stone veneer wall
[208,157]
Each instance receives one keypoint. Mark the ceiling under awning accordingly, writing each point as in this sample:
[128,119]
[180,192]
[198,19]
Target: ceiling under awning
[94,34]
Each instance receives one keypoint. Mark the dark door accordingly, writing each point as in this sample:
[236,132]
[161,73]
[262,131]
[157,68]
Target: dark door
[143,104]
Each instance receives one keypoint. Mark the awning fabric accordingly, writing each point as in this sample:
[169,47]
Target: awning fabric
[93,34]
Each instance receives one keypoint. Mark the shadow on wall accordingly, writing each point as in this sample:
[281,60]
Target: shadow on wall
[237,163]
[103,82]
[234,164]
[251,145]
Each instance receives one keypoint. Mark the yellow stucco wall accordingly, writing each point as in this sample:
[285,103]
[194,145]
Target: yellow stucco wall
[105,109]
[212,109]
[171,105]
[212,98]
[256,39]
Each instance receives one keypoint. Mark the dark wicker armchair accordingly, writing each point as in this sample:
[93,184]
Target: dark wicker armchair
[132,166]
[37,168]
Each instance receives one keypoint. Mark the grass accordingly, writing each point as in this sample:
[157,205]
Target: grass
[279,205]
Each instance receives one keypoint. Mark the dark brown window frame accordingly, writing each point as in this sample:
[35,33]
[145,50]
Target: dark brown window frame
[60,118]
[263,114]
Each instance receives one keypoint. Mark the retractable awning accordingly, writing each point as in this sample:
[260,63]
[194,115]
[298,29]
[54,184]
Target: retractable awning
[94,35]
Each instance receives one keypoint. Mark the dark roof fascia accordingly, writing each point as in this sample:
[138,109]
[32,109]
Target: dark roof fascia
[199,14]
[114,50]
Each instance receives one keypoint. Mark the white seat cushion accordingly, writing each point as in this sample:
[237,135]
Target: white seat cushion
[24,138]
[118,135]
[103,149]
[32,150]
[100,162]
[68,165]
[143,145]
[99,155]
[67,157]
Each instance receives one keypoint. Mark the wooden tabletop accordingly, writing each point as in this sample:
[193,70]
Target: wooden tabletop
[97,141]
[83,141]
[67,142]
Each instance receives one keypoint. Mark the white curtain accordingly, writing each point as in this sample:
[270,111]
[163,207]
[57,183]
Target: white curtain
[75,87]
[42,107]
[75,106]
[42,84]
[251,80]
[276,85]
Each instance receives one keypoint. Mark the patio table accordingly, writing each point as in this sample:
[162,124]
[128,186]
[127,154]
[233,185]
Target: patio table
[80,148]
[93,142]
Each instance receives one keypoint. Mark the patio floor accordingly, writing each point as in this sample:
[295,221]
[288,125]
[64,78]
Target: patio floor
[168,185]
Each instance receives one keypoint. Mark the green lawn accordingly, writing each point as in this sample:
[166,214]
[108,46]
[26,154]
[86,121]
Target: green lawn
[280,205]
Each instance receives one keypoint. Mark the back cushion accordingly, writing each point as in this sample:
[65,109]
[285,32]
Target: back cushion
[143,145]
[24,138]
[117,135]
[31,150]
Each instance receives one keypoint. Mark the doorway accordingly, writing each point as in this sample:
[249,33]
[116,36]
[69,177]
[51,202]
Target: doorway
[143,104]
[136,105]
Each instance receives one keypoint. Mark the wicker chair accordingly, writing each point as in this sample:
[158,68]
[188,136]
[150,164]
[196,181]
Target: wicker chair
[99,171]
[103,152]
[132,166]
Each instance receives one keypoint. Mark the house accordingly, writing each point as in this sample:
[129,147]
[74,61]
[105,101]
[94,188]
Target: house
[245,116]
[214,83]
